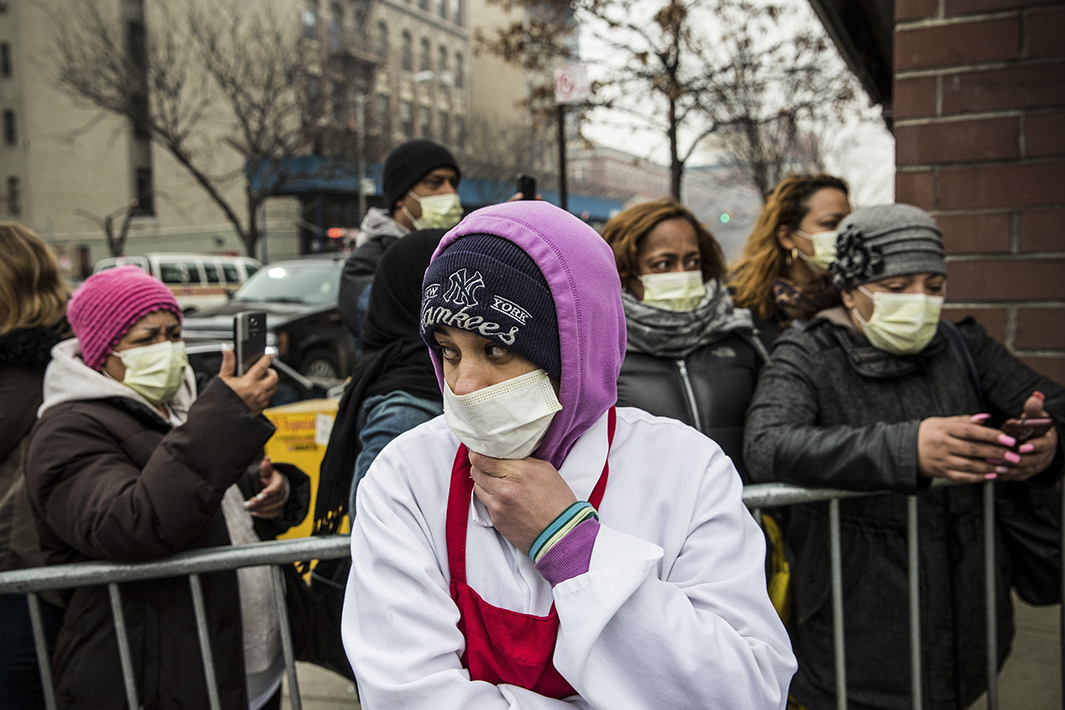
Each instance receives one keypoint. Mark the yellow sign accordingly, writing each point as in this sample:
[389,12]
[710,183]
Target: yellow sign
[302,435]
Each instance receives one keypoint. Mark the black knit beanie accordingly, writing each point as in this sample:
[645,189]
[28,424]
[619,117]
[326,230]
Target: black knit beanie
[489,286]
[408,163]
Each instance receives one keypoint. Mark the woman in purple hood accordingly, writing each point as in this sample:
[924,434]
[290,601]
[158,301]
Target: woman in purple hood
[536,545]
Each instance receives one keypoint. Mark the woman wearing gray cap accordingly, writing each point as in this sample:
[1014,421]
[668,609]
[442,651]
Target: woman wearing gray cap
[872,395]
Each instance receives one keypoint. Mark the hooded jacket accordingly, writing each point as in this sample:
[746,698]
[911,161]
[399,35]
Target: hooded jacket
[832,411]
[672,611]
[110,479]
[377,233]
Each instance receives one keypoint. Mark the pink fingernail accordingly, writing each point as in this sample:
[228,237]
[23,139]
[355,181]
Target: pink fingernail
[1012,457]
[990,476]
[1026,448]
[980,417]
[1001,469]
[1007,440]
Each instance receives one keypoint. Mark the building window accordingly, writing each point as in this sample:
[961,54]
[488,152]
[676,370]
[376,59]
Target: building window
[310,20]
[460,78]
[456,11]
[406,117]
[423,4]
[10,136]
[384,114]
[443,127]
[314,96]
[424,117]
[5,60]
[340,104]
[441,65]
[460,132]
[14,202]
[145,194]
[426,64]
[408,52]
[381,43]
[441,8]
[336,25]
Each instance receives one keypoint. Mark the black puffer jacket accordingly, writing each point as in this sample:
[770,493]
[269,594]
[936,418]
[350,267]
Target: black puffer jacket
[832,411]
[709,389]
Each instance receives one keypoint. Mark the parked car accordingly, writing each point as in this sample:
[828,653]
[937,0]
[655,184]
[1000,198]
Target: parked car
[198,281]
[299,298]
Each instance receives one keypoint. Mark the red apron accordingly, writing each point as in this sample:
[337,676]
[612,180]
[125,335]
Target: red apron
[503,646]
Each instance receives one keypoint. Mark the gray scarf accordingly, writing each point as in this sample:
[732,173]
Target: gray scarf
[677,334]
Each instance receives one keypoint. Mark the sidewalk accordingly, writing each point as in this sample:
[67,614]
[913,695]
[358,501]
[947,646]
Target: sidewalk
[1030,680]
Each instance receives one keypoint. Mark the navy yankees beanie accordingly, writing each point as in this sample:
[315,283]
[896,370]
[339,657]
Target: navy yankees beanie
[489,286]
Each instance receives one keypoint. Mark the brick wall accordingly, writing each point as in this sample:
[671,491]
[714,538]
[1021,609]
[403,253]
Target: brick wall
[979,108]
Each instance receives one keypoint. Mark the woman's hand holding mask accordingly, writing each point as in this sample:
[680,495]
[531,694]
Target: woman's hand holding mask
[523,496]
[256,386]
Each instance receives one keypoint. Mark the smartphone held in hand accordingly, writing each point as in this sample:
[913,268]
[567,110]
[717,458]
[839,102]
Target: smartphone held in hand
[249,339]
[527,186]
[1022,428]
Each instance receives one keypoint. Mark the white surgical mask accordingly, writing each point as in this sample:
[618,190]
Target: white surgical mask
[438,211]
[902,323]
[155,372]
[824,249]
[675,290]
[504,421]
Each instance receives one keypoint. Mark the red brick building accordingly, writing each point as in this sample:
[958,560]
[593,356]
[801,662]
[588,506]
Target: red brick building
[975,93]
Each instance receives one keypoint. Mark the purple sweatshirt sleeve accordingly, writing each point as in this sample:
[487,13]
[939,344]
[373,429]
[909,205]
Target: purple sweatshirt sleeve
[571,555]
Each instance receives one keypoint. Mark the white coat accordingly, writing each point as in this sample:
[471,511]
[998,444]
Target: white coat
[672,613]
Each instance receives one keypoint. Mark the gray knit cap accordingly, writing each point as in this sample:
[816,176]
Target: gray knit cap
[887,240]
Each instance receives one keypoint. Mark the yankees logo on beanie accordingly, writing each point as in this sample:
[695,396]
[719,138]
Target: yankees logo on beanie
[487,285]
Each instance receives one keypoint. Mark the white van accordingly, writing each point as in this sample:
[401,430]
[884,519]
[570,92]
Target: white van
[198,280]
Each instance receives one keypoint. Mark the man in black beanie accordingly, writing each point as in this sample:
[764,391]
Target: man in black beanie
[420,184]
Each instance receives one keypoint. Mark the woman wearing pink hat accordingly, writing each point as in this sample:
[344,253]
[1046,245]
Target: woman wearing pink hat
[126,464]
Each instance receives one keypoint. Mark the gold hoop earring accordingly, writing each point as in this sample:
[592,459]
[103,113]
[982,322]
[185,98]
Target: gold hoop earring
[790,257]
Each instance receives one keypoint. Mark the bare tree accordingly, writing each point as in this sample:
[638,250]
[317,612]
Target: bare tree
[116,243]
[497,153]
[779,95]
[681,68]
[228,88]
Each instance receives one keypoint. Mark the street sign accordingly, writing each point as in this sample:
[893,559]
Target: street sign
[571,83]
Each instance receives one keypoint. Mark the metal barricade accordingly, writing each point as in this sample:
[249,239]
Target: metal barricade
[194,563]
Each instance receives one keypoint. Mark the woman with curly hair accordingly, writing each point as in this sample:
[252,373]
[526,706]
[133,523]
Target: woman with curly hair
[782,274]
[878,394]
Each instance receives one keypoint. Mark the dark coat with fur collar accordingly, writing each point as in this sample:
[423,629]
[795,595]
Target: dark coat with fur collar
[832,411]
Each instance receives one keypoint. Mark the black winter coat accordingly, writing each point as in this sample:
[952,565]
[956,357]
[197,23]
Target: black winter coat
[708,390]
[832,411]
[110,480]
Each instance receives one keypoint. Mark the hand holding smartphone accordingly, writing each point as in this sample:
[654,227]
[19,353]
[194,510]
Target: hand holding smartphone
[1024,428]
[249,339]
[527,186]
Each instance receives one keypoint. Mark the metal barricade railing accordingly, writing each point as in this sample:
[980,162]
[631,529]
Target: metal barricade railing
[194,563]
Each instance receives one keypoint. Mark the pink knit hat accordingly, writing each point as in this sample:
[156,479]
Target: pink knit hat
[106,306]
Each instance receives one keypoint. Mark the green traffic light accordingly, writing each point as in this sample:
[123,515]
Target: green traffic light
[724,218]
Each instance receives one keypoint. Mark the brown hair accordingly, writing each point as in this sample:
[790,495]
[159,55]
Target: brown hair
[626,230]
[32,294]
[751,277]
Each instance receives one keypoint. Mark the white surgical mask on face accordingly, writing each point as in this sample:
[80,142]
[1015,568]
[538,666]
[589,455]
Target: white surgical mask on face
[155,372]
[438,211]
[902,323]
[504,421]
[675,291]
[824,249]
